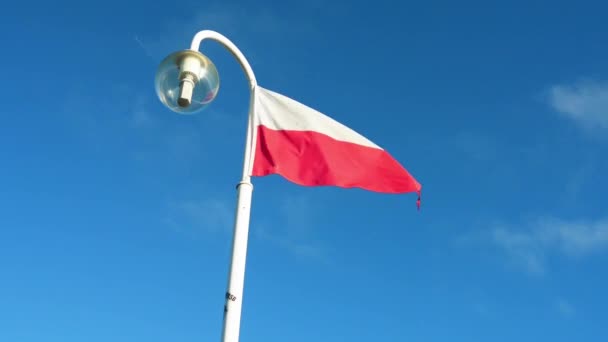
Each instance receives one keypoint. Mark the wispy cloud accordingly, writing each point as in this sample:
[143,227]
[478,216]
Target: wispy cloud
[585,102]
[238,22]
[293,229]
[290,228]
[210,215]
[580,177]
[564,308]
[136,108]
[301,248]
[143,46]
[476,146]
[532,245]
[96,118]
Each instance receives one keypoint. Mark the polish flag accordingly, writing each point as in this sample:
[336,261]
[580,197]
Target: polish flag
[309,148]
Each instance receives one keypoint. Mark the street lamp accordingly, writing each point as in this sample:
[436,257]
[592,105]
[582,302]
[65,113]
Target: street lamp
[186,82]
[303,145]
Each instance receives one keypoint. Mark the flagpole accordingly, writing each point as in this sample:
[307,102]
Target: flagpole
[236,274]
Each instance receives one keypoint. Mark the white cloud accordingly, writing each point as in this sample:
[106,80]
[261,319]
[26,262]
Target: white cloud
[585,102]
[532,245]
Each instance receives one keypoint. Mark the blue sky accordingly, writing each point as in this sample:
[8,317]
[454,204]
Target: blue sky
[116,215]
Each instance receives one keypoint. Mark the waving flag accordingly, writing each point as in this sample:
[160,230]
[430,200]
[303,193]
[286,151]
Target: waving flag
[309,148]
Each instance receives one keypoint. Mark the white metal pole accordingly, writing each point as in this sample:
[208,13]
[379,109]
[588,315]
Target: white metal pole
[236,274]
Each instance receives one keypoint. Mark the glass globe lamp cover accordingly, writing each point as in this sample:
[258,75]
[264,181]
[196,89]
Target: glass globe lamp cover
[187,81]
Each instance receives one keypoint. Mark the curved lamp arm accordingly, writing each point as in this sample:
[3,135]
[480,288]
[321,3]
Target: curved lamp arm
[208,34]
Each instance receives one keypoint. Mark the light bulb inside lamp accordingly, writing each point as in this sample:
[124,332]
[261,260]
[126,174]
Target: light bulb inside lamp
[190,68]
